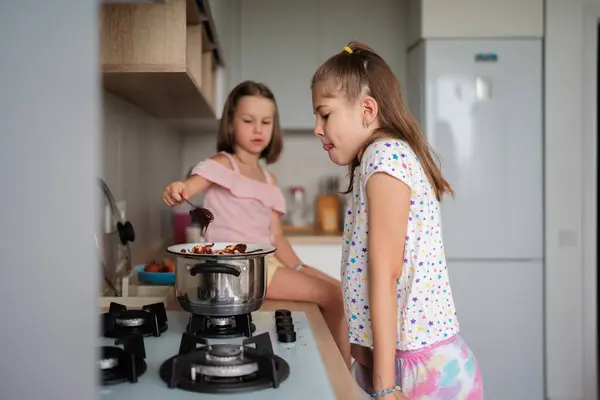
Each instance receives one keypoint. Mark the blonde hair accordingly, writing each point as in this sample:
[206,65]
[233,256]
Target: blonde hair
[226,136]
[360,72]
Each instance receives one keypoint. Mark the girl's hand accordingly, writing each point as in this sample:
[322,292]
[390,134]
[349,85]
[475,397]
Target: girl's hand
[174,193]
[363,355]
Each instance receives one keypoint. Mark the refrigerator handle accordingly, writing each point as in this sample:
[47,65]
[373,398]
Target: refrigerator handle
[483,89]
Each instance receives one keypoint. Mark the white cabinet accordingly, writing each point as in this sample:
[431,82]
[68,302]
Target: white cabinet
[225,14]
[278,48]
[438,19]
[379,24]
[500,311]
[281,43]
[324,257]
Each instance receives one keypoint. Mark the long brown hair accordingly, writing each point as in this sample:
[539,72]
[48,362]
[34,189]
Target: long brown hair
[226,136]
[361,72]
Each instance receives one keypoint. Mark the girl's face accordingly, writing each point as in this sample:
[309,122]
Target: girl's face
[253,123]
[340,126]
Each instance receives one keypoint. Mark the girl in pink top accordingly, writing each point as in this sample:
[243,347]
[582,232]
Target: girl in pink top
[247,203]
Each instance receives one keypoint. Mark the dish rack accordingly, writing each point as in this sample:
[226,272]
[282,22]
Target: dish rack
[136,294]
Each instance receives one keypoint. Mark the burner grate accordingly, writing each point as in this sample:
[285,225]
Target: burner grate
[119,322]
[123,364]
[195,367]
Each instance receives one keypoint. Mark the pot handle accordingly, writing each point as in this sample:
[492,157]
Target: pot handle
[208,268]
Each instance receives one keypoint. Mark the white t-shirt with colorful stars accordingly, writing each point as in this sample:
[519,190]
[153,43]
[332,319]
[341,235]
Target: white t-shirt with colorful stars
[426,312]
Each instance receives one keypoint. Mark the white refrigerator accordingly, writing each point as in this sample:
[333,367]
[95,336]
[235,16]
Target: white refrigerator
[480,105]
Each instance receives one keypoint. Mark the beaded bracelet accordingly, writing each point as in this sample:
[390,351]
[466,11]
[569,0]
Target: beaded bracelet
[384,392]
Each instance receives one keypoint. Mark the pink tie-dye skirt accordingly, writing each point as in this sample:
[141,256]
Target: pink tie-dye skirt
[444,371]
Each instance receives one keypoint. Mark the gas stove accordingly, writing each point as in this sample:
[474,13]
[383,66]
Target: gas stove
[189,360]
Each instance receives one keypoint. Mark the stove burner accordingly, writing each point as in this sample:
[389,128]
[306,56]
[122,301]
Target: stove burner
[120,322]
[129,321]
[224,368]
[219,321]
[224,353]
[110,361]
[123,364]
[224,361]
[221,327]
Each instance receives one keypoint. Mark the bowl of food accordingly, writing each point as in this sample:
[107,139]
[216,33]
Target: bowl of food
[157,273]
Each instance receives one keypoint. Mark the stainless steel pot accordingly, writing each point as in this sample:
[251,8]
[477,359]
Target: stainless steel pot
[221,285]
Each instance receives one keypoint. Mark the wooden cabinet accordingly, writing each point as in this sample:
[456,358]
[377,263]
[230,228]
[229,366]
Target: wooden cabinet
[162,57]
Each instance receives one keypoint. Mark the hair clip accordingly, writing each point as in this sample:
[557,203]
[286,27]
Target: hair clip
[348,49]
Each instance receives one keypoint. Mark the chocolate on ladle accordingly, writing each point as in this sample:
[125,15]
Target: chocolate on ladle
[202,217]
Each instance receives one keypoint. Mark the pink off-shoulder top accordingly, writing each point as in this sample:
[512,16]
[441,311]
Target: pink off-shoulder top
[242,207]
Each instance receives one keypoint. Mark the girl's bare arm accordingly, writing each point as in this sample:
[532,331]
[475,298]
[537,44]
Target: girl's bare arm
[388,207]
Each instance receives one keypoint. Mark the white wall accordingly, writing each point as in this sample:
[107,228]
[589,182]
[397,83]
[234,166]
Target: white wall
[49,136]
[567,132]
[140,155]
[590,201]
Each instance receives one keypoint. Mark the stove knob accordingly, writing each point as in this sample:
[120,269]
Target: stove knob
[283,319]
[286,336]
[283,313]
[284,326]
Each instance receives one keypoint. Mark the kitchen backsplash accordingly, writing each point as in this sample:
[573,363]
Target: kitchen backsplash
[302,163]
[140,155]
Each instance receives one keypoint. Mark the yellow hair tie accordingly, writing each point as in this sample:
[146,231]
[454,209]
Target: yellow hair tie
[348,49]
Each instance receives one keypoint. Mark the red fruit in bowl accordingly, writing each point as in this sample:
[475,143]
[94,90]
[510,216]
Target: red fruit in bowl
[168,266]
[153,267]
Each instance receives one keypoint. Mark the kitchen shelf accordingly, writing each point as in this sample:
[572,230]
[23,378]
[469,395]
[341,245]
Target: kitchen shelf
[162,57]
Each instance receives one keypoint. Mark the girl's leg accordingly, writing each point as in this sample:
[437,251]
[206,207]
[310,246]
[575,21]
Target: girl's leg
[321,275]
[289,284]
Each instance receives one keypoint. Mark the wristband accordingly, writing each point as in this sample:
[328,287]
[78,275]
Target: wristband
[383,392]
